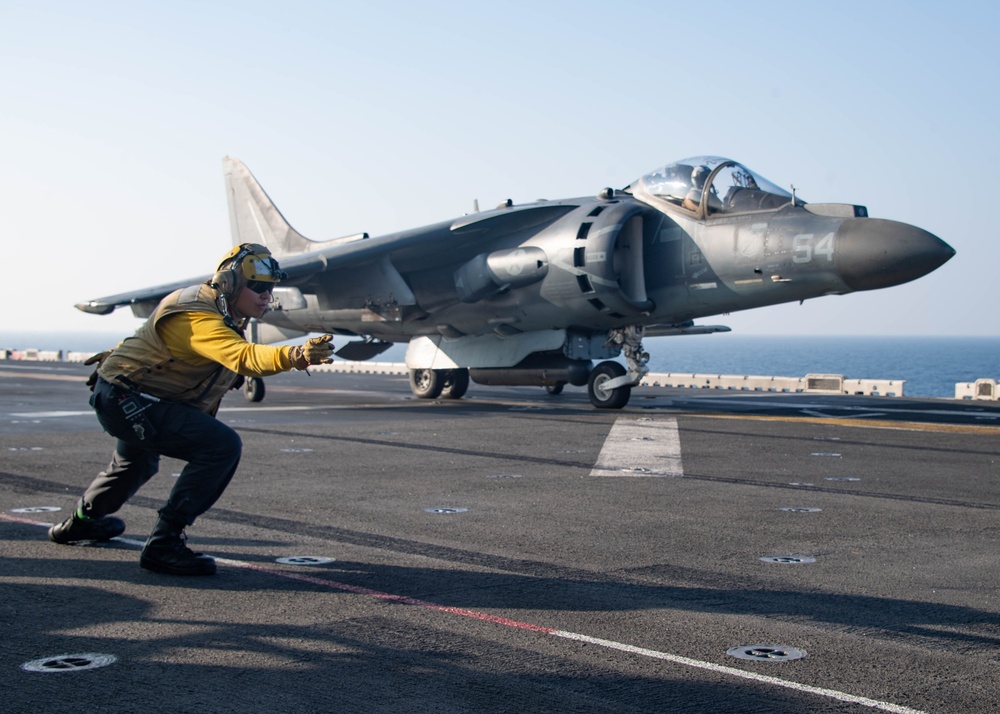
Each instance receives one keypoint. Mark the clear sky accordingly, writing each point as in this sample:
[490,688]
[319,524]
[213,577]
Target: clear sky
[381,116]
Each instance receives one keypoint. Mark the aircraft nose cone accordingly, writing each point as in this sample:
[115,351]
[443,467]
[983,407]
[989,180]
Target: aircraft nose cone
[875,253]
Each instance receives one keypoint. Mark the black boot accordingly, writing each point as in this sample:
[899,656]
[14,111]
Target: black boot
[165,552]
[75,529]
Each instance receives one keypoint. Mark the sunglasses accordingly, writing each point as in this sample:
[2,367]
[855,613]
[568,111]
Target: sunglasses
[260,286]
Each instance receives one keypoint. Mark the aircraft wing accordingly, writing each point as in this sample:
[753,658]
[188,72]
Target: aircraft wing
[345,254]
[418,244]
[139,300]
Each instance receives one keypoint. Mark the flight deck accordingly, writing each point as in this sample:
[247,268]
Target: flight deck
[517,551]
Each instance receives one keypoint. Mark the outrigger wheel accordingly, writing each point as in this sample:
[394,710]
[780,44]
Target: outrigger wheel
[253,389]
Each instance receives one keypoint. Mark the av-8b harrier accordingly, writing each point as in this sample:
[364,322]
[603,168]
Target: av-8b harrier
[536,293]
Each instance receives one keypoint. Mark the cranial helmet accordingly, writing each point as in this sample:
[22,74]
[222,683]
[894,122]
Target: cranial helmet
[245,262]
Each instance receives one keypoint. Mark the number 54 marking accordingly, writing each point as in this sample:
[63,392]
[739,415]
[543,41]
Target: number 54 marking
[806,246]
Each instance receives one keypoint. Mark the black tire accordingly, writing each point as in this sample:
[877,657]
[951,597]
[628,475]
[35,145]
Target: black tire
[605,372]
[426,383]
[555,389]
[253,389]
[456,383]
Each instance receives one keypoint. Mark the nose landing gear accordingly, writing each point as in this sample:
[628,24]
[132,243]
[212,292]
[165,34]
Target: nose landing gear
[610,384]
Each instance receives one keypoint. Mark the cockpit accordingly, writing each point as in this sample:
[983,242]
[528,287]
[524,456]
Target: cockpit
[710,186]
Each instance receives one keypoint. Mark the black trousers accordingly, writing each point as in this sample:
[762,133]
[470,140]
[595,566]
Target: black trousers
[211,449]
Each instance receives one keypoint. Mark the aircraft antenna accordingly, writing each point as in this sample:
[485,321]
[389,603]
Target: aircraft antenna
[793,193]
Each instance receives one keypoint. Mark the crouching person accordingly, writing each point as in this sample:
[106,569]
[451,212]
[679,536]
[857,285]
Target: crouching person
[158,392]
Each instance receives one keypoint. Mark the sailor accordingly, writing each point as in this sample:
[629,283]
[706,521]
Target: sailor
[158,393]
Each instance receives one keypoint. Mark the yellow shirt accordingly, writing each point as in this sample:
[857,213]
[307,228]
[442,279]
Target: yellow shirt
[201,337]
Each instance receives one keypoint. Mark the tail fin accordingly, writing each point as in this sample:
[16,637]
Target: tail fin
[253,217]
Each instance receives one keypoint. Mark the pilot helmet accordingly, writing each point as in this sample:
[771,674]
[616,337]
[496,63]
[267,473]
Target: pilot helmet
[246,264]
[699,174]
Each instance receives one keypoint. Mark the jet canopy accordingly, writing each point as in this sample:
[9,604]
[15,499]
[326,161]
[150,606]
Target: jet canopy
[711,185]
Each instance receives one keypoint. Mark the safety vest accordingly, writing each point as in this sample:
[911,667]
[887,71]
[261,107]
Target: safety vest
[143,360]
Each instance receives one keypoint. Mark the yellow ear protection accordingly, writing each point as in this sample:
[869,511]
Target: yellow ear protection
[247,261]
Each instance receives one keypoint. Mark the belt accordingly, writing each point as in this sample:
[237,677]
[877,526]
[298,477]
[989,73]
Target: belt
[127,390]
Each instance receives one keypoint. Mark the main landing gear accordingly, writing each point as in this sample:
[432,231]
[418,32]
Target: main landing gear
[434,383]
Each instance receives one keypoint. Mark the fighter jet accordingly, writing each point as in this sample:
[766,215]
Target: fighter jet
[534,294]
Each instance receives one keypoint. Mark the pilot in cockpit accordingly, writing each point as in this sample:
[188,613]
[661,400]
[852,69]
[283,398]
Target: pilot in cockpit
[699,175]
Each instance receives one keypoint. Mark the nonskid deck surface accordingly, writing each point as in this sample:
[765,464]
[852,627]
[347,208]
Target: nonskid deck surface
[517,551]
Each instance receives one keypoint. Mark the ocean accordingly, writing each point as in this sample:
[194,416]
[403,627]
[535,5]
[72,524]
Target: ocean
[930,366]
